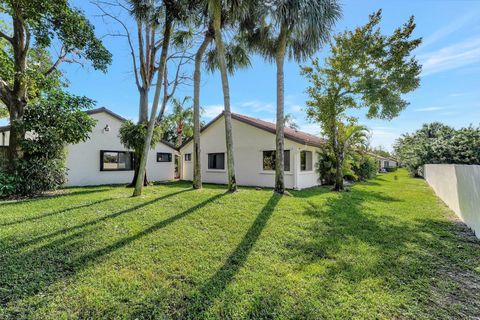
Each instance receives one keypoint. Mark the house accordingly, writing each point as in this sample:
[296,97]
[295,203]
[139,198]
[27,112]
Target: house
[254,151]
[102,159]
[385,163]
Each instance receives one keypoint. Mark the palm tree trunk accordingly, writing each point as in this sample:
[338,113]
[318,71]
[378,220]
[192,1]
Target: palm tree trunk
[143,118]
[179,134]
[153,116]
[280,125]
[227,114]
[197,165]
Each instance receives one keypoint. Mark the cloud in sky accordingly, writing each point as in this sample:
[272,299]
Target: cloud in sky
[450,28]
[430,109]
[451,57]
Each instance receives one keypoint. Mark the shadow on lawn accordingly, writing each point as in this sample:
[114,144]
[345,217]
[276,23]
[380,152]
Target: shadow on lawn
[199,303]
[48,196]
[52,213]
[409,255]
[27,273]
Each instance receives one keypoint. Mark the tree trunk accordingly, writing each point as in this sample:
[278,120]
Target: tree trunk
[179,134]
[143,118]
[18,95]
[156,99]
[227,114]
[280,125]
[17,134]
[339,172]
[197,165]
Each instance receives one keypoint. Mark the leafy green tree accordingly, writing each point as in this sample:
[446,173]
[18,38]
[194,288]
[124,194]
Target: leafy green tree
[56,119]
[437,143]
[296,30]
[26,38]
[365,69]
[132,136]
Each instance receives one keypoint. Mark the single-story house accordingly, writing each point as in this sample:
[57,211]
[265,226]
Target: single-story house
[102,159]
[254,152]
[385,163]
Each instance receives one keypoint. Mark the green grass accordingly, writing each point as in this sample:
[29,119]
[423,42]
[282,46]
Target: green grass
[386,249]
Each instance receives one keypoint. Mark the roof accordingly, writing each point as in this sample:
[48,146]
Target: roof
[381,157]
[290,134]
[107,111]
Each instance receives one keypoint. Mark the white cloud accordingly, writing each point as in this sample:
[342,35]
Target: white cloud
[257,106]
[211,111]
[451,57]
[429,109]
[450,28]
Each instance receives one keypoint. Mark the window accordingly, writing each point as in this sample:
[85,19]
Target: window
[164,157]
[269,160]
[305,161]
[216,161]
[116,160]
[188,157]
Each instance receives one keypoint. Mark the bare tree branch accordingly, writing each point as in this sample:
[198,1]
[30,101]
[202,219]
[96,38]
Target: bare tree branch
[6,37]
[127,34]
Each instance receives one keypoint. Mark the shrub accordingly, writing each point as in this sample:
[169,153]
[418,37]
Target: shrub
[53,122]
[366,169]
[9,184]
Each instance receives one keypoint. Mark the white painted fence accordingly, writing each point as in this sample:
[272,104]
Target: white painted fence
[459,187]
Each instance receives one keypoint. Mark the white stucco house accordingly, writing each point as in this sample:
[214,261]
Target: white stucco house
[254,151]
[102,159]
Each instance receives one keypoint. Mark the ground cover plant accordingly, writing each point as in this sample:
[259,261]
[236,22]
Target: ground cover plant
[386,249]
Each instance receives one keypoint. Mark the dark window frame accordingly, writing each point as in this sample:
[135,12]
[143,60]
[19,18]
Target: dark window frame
[311,158]
[189,156]
[215,154]
[168,154]
[286,155]
[132,160]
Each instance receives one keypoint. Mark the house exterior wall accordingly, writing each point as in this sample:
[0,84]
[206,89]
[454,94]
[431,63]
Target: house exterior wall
[4,137]
[459,187]
[249,144]
[83,159]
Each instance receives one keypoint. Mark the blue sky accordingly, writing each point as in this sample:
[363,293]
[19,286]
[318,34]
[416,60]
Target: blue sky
[450,84]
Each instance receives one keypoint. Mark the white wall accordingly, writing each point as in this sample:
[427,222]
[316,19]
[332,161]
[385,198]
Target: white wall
[83,159]
[459,187]
[249,144]
[4,137]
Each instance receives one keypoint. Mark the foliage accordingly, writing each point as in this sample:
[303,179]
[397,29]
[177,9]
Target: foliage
[366,168]
[380,251]
[9,184]
[132,135]
[438,143]
[178,125]
[364,70]
[53,122]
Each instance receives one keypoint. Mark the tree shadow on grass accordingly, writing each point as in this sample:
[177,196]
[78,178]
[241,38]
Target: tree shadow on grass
[95,221]
[49,196]
[199,303]
[24,274]
[358,239]
[56,212]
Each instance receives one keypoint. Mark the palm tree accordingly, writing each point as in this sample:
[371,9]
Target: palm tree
[347,138]
[197,166]
[296,29]
[183,119]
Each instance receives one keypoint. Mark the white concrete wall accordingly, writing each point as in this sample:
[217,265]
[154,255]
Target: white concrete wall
[459,187]
[83,159]
[249,144]
[4,137]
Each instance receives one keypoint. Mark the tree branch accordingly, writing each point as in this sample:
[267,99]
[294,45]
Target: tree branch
[6,37]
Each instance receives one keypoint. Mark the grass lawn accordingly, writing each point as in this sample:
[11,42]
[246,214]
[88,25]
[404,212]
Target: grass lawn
[387,249]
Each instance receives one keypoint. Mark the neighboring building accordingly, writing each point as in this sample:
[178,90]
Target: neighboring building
[254,151]
[102,159]
[385,163]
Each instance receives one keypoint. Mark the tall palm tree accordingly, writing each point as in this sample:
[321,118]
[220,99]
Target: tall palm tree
[197,166]
[297,29]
